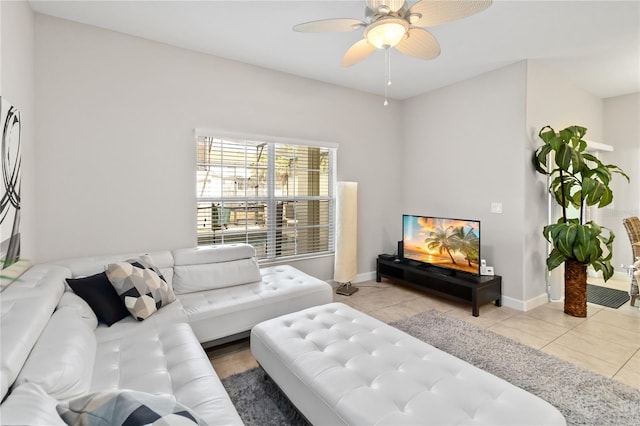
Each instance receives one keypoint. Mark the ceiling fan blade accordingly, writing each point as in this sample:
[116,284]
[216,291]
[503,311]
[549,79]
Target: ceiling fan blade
[357,52]
[393,5]
[427,13]
[330,26]
[420,44]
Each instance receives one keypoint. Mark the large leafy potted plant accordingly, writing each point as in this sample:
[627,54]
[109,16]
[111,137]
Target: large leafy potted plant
[579,179]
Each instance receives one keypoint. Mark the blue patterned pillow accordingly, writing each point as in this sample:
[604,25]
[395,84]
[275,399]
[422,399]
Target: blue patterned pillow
[126,407]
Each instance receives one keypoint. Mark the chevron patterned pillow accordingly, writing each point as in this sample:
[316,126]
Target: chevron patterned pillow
[140,285]
[126,407]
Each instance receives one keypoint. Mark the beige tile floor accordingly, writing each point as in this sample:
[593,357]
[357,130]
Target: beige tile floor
[607,341]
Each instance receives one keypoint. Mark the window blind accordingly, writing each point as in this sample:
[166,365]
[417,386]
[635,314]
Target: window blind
[278,197]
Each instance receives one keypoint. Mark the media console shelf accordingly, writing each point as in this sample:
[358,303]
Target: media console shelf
[469,289]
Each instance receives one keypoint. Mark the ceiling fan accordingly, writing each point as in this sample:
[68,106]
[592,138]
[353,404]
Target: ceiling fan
[391,23]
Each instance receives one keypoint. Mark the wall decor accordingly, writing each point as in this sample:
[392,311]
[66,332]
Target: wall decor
[10,186]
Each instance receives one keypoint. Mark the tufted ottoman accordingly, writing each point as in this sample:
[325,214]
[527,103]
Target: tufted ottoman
[340,366]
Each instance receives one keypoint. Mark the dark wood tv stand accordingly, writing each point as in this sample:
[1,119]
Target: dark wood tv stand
[470,289]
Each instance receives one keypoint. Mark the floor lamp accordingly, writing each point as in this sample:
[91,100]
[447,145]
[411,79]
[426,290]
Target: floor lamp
[345,266]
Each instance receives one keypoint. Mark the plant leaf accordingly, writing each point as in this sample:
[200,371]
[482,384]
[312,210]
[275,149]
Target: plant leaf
[591,158]
[582,246]
[605,267]
[563,158]
[602,173]
[576,199]
[555,259]
[578,131]
[540,159]
[616,169]
[565,239]
[606,198]
[582,145]
[547,134]
[592,191]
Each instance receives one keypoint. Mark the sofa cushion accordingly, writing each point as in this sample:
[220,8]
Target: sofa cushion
[215,314]
[162,358]
[140,285]
[98,292]
[90,265]
[213,254]
[126,407]
[25,308]
[170,314]
[70,300]
[208,276]
[28,404]
[61,362]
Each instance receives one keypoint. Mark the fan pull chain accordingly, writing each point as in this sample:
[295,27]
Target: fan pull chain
[387,74]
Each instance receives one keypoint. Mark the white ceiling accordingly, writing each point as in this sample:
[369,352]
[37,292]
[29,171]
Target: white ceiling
[596,44]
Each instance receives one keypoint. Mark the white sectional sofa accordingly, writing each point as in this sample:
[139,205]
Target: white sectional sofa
[55,354]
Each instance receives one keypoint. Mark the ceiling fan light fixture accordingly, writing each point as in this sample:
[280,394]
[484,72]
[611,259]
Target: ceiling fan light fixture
[386,32]
[387,5]
[413,17]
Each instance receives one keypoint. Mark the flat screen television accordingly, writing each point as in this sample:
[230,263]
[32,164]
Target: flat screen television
[450,244]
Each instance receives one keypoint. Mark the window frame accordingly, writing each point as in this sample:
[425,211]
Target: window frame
[271,199]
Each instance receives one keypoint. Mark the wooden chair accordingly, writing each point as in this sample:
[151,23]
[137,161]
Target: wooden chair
[632,225]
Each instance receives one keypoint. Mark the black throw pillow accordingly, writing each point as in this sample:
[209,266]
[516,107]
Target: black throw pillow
[98,292]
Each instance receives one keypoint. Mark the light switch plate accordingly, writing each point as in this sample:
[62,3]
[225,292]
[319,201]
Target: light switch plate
[496,207]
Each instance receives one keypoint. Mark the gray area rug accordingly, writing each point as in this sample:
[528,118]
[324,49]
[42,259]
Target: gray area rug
[259,401]
[583,397]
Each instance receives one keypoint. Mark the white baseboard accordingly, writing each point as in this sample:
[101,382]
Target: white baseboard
[366,276]
[617,275]
[525,305]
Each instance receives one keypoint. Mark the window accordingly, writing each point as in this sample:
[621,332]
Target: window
[276,196]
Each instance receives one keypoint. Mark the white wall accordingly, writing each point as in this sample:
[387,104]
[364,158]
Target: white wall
[551,100]
[1,48]
[463,150]
[622,130]
[470,144]
[116,153]
[559,103]
[17,83]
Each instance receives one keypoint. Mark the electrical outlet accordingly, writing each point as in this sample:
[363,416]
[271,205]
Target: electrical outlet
[496,207]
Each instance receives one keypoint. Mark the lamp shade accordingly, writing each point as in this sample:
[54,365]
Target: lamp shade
[386,32]
[346,256]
